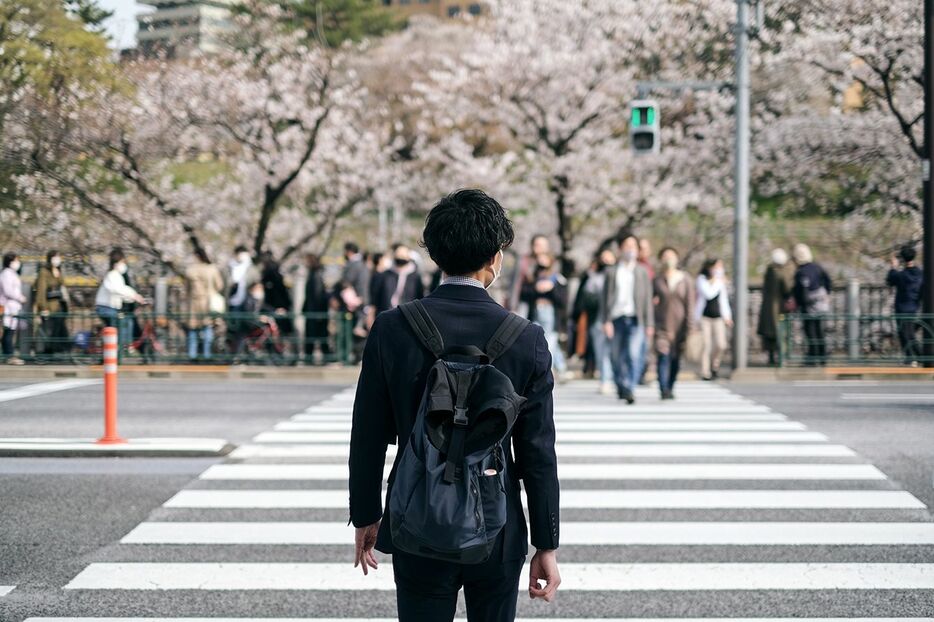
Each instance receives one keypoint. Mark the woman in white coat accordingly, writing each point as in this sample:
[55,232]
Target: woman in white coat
[111,295]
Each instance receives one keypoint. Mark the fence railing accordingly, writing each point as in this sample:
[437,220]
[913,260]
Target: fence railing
[149,337]
[851,339]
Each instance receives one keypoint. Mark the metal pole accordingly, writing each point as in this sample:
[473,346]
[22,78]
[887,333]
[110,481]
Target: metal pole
[741,223]
[852,320]
[927,301]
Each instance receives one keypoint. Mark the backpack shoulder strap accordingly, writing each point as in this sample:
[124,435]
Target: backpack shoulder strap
[505,336]
[424,327]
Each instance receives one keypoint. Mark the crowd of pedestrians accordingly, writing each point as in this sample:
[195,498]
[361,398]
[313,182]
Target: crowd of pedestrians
[632,310]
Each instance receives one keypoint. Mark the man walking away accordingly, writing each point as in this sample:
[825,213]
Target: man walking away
[627,316]
[812,288]
[465,234]
[907,283]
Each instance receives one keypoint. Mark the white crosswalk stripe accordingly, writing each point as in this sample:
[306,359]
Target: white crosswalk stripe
[685,471]
[726,479]
[572,533]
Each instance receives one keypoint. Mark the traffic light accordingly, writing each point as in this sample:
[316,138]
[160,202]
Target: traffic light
[645,126]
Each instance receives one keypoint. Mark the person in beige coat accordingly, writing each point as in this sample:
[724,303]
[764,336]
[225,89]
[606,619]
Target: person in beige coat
[205,284]
[674,302]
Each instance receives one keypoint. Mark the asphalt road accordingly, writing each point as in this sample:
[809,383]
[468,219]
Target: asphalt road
[62,520]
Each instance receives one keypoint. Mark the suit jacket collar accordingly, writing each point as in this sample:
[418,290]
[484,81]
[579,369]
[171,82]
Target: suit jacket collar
[462,292]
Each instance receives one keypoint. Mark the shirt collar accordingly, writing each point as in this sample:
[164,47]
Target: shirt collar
[462,280]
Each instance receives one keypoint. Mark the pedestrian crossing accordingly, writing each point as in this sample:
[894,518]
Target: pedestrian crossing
[711,507]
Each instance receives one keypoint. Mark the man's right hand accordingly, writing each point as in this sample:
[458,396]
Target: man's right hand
[608,329]
[544,567]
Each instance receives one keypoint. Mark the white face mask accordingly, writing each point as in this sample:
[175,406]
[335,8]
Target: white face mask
[121,268]
[258,296]
[15,265]
[243,257]
[495,273]
[56,262]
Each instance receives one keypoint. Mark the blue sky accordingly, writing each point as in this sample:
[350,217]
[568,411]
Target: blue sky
[122,26]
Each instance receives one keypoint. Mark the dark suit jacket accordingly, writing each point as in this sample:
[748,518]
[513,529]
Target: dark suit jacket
[395,368]
[383,288]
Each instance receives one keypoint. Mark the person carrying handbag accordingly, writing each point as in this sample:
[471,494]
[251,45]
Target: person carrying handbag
[52,303]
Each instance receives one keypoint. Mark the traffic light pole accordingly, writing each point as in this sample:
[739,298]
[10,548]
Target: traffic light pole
[741,222]
[928,202]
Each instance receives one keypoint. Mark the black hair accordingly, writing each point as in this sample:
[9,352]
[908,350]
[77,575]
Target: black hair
[707,267]
[202,255]
[352,248]
[669,248]
[240,248]
[465,230]
[624,235]
[908,253]
[115,257]
[50,254]
[8,259]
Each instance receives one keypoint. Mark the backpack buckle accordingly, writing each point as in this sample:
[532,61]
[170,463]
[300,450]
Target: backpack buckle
[460,416]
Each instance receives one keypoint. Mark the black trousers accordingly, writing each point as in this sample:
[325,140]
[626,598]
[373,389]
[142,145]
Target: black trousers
[908,337]
[816,345]
[426,589]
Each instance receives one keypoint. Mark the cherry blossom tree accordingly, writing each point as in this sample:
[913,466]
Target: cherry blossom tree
[272,142]
[553,80]
[855,149]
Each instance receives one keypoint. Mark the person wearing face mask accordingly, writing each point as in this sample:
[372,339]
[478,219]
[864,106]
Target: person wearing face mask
[465,235]
[113,293]
[627,316]
[12,299]
[674,294]
[51,299]
[713,312]
[547,304]
[401,282]
[241,274]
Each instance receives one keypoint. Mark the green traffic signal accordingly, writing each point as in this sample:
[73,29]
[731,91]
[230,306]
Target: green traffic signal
[643,115]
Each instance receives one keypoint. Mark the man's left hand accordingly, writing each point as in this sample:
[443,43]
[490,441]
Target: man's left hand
[365,540]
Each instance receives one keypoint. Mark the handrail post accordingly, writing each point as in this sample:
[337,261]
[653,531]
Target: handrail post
[852,320]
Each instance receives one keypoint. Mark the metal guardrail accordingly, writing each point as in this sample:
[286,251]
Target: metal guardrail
[854,340]
[228,338]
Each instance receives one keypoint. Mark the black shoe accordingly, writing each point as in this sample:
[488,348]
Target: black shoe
[629,397]
[706,378]
[714,375]
[668,395]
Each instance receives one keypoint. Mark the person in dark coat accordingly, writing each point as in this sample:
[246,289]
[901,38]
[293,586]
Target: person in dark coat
[812,297]
[776,290]
[276,292]
[547,295]
[907,283]
[401,283]
[315,309]
[465,234]
[51,301]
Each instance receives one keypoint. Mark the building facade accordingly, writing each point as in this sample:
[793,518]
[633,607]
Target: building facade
[178,28]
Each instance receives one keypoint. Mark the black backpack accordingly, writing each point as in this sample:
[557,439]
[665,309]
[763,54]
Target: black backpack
[448,498]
